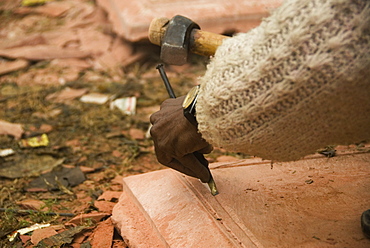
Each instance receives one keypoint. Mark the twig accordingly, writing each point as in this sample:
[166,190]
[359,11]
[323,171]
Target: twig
[23,211]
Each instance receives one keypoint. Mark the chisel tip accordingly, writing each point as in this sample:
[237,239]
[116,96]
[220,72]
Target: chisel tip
[212,187]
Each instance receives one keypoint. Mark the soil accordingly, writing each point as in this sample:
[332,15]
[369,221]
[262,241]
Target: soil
[105,143]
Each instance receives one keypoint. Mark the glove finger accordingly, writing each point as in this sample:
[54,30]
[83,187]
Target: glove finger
[206,150]
[154,117]
[201,159]
[188,164]
[199,169]
[168,160]
[176,165]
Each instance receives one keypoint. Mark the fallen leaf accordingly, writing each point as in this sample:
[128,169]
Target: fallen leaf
[32,165]
[60,176]
[79,238]
[60,239]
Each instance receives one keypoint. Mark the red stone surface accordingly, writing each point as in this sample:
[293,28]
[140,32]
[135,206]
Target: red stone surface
[314,202]
[131,19]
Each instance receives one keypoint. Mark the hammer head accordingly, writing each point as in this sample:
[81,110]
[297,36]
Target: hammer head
[175,43]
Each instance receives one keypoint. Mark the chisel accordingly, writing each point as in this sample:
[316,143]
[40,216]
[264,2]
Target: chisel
[199,156]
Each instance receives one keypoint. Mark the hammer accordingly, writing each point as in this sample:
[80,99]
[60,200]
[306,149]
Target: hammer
[179,36]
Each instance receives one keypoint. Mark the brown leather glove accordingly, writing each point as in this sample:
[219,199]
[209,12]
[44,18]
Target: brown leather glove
[177,142]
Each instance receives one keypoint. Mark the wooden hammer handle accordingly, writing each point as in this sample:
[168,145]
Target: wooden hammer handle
[201,42]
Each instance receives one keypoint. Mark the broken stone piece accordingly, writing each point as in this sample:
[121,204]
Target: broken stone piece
[103,234]
[66,94]
[32,204]
[80,219]
[42,52]
[41,234]
[12,129]
[10,66]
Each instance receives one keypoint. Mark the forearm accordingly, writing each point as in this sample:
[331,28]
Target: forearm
[296,83]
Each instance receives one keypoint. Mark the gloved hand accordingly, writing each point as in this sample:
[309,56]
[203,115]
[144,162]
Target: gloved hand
[177,142]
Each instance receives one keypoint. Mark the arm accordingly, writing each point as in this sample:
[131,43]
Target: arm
[298,82]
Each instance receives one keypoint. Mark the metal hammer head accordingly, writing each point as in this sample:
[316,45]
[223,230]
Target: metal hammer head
[175,43]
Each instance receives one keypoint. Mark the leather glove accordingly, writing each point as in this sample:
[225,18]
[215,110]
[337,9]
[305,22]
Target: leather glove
[177,142]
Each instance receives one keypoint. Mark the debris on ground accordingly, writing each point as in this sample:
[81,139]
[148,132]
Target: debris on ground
[7,128]
[26,165]
[37,141]
[26,230]
[6,152]
[59,178]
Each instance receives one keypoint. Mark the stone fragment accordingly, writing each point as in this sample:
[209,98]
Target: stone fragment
[12,129]
[40,234]
[107,201]
[137,134]
[216,16]
[66,94]
[31,204]
[93,41]
[42,52]
[80,219]
[10,66]
[103,234]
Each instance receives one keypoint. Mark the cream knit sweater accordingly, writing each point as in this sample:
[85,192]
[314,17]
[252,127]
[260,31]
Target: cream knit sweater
[298,82]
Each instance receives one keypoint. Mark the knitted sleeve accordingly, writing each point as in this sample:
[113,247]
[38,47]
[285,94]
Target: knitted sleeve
[298,82]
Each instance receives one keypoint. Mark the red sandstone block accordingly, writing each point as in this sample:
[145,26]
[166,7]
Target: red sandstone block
[314,202]
[131,19]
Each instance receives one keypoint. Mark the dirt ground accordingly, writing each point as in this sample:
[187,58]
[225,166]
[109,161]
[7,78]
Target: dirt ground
[42,99]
